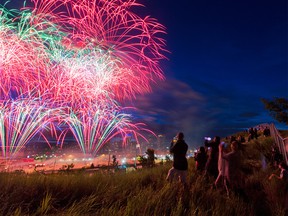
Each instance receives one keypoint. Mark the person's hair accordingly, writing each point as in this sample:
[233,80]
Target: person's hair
[202,149]
[217,139]
[234,145]
[180,135]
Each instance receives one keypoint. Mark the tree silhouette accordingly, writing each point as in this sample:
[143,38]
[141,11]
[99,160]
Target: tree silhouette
[278,108]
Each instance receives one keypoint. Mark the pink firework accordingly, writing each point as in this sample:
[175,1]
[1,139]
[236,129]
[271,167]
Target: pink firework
[24,60]
[80,56]
[133,44]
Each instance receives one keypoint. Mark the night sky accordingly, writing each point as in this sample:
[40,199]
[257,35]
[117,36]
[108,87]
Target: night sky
[224,57]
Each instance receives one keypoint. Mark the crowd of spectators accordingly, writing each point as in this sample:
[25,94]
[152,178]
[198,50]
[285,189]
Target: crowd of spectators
[223,163]
[228,158]
[220,160]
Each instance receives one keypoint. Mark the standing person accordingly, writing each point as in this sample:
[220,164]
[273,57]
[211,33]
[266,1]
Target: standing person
[232,168]
[201,159]
[180,164]
[212,162]
[255,133]
[266,132]
[221,168]
[251,134]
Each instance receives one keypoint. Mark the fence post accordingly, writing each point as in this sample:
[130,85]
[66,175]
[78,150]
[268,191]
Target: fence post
[280,142]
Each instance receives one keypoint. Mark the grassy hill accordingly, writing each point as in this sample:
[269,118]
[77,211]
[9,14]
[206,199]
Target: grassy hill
[145,191]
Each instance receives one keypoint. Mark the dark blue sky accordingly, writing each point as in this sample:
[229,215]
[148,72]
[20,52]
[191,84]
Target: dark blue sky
[225,56]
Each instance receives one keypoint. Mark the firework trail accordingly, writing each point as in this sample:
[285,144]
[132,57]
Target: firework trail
[79,56]
[93,130]
[20,121]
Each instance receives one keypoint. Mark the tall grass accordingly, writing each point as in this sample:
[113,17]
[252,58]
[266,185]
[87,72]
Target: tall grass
[142,192]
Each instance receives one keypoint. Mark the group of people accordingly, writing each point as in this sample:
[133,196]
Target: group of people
[222,166]
[252,133]
[222,163]
[218,164]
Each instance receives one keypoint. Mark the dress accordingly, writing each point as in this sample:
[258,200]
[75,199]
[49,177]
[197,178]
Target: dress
[232,166]
[221,169]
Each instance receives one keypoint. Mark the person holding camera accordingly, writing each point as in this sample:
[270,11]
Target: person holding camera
[179,150]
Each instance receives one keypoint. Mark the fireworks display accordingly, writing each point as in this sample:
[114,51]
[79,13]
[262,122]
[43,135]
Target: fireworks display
[72,62]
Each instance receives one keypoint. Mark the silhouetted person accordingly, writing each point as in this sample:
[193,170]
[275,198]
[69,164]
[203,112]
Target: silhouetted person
[180,163]
[212,162]
[232,138]
[115,162]
[266,132]
[251,134]
[151,157]
[201,159]
[255,133]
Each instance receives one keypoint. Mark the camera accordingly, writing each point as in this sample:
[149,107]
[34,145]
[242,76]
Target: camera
[225,145]
[208,138]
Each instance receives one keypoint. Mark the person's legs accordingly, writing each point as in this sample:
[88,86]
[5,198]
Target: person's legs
[226,181]
[182,176]
[171,174]
[219,180]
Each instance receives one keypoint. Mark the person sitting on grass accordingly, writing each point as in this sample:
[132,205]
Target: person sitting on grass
[284,177]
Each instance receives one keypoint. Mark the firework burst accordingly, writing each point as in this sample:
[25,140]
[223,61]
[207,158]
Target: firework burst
[80,57]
